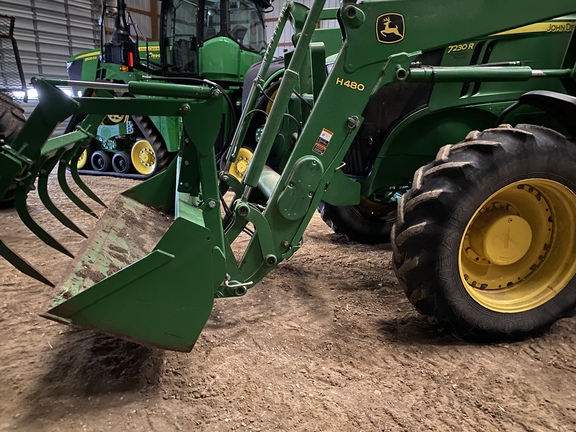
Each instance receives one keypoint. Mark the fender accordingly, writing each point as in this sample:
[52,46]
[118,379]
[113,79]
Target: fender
[560,106]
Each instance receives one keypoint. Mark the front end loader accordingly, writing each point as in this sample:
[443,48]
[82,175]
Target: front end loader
[485,238]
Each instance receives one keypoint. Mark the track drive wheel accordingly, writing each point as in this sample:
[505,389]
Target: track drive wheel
[486,238]
[11,121]
[144,157]
[368,222]
[84,158]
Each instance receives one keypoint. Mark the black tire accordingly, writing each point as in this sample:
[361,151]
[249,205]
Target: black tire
[485,240]
[11,121]
[367,223]
[121,162]
[100,161]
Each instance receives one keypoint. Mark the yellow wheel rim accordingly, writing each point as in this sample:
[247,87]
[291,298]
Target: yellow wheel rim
[143,157]
[82,159]
[115,119]
[239,167]
[519,248]
[271,101]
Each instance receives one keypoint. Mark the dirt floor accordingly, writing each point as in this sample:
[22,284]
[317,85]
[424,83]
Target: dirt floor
[327,342]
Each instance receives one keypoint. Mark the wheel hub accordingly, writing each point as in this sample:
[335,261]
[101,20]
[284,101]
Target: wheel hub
[239,167]
[146,157]
[500,237]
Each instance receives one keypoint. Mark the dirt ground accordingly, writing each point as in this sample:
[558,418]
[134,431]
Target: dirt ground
[327,342]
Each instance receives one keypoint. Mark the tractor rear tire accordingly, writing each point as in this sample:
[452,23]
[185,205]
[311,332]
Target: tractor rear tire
[366,223]
[11,121]
[485,240]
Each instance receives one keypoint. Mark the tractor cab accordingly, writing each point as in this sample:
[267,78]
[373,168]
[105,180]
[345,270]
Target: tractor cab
[216,40]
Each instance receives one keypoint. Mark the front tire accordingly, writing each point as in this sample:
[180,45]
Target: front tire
[486,238]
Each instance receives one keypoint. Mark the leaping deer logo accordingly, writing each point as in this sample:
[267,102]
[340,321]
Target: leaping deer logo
[390,28]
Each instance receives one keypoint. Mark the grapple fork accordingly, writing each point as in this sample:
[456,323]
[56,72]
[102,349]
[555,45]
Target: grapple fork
[132,278]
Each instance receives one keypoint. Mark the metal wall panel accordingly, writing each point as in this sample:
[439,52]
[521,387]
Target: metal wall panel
[49,31]
[286,38]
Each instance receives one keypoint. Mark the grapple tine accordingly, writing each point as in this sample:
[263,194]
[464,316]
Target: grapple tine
[73,165]
[22,209]
[45,197]
[69,193]
[21,264]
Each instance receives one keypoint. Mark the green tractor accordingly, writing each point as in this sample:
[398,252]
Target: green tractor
[202,42]
[456,133]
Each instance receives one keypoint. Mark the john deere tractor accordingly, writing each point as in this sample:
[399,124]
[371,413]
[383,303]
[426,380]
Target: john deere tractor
[456,117]
[202,42]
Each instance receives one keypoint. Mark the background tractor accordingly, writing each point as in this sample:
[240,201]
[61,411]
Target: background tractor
[202,42]
[464,126]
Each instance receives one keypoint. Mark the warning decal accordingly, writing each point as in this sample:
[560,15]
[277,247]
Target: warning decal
[322,142]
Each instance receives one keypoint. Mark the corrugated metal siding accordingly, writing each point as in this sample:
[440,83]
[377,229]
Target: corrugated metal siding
[286,39]
[49,31]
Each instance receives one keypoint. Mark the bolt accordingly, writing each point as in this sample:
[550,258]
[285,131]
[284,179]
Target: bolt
[186,185]
[186,163]
[225,177]
[186,140]
[401,74]
[215,93]
[185,108]
[212,204]
[286,243]
[243,211]
[353,122]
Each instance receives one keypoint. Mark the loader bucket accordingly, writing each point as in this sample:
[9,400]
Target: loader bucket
[163,298]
